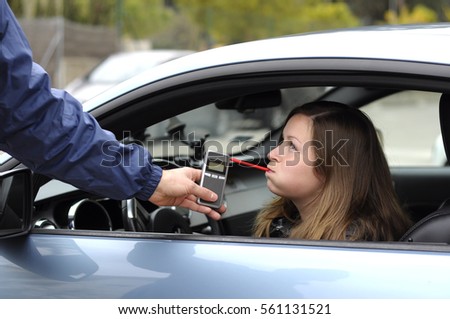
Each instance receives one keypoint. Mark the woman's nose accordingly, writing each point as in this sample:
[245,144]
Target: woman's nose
[273,154]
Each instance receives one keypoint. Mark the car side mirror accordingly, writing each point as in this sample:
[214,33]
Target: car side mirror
[16,202]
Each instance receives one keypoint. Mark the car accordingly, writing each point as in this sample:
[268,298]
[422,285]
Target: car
[67,243]
[117,68]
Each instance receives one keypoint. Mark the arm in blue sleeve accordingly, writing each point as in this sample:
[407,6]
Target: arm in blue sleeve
[48,131]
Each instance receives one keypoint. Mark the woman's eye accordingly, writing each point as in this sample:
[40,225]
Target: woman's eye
[292,146]
[288,144]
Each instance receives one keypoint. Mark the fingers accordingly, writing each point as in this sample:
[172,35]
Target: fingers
[191,203]
[186,193]
[199,191]
[204,193]
[222,209]
[196,174]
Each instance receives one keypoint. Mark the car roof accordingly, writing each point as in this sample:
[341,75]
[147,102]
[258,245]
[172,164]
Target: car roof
[399,42]
[146,58]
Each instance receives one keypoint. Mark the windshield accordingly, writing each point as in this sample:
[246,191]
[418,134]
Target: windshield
[227,131]
[118,69]
[223,130]
[4,157]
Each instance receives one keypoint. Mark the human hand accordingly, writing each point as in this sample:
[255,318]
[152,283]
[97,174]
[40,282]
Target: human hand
[178,187]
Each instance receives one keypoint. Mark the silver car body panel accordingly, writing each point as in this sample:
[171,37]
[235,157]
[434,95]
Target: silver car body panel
[62,266]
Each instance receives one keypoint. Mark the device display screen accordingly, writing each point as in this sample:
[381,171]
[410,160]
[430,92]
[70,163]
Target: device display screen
[216,165]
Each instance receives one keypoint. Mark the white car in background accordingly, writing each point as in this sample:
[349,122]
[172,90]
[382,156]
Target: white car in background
[117,68]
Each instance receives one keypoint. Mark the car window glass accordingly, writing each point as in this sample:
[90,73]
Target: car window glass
[226,130]
[4,157]
[118,68]
[408,123]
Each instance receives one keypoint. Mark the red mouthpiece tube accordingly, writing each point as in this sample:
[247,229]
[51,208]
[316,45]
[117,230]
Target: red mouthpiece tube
[237,161]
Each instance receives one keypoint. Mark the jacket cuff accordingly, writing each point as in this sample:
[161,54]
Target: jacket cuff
[154,175]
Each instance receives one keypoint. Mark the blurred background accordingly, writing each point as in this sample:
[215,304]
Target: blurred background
[88,46]
[71,37]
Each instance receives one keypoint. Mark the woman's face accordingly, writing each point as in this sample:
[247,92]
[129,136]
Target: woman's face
[292,174]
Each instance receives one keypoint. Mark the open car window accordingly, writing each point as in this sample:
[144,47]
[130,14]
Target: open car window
[240,127]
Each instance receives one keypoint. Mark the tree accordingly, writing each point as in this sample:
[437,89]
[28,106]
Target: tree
[225,21]
[92,12]
[199,24]
[143,18]
[136,18]
[369,11]
[419,14]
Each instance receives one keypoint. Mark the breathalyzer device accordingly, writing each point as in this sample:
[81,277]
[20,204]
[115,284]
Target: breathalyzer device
[214,176]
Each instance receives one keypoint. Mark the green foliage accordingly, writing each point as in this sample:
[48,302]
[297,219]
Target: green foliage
[16,7]
[446,11]
[180,33]
[199,24]
[135,18]
[142,18]
[93,12]
[225,21]
[419,14]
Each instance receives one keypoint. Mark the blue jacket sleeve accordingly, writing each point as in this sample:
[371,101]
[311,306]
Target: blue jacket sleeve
[48,131]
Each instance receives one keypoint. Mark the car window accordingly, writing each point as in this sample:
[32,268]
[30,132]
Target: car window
[4,157]
[230,131]
[226,131]
[408,123]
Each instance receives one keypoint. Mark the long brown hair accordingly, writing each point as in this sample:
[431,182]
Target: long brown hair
[358,200]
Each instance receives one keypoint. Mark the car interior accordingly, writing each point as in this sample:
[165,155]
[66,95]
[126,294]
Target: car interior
[435,226]
[247,126]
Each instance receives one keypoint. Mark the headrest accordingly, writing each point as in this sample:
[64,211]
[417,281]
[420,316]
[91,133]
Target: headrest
[431,230]
[434,228]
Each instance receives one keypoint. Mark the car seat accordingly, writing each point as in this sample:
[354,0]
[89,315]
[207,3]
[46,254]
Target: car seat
[435,227]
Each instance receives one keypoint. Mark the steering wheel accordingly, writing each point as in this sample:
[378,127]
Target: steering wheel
[137,218]
[143,216]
